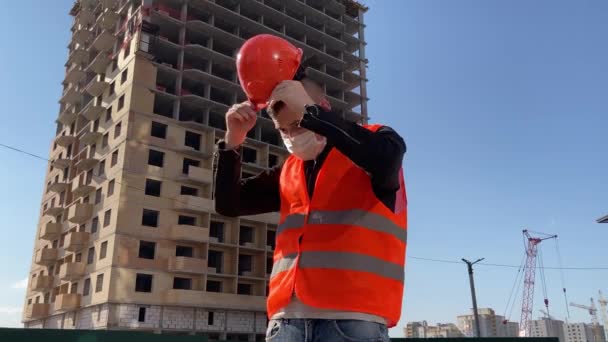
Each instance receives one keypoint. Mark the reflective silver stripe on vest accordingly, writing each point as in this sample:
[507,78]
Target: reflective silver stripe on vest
[342,261]
[283,264]
[360,218]
[290,222]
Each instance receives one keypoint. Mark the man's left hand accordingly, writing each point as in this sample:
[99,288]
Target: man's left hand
[293,94]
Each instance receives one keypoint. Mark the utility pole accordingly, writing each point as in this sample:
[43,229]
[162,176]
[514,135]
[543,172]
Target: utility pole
[474,298]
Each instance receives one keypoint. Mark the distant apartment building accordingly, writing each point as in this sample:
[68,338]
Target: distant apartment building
[423,330]
[490,324]
[582,332]
[547,328]
[127,236]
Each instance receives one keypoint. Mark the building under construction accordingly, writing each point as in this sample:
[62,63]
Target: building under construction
[127,236]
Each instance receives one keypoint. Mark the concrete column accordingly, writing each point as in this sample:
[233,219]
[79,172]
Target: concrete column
[362,69]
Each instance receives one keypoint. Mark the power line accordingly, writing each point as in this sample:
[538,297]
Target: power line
[102,177]
[505,265]
[409,256]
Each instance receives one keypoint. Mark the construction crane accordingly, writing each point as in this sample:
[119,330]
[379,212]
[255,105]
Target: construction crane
[546,314]
[531,243]
[593,312]
[603,304]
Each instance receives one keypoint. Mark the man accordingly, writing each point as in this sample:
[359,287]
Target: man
[340,246]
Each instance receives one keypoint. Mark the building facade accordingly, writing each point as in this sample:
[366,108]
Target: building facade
[128,237]
[546,327]
[582,332]
[423,330]
[490,324]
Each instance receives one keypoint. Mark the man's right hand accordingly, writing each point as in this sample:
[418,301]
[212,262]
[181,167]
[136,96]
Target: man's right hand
[240,119]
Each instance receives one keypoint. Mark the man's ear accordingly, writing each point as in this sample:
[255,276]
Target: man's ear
[324,104]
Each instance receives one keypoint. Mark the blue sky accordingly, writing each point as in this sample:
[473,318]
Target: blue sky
[504,107]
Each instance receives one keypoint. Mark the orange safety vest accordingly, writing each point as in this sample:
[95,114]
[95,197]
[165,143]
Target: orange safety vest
[343,249]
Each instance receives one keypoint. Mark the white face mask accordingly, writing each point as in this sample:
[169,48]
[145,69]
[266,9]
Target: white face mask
[305,146]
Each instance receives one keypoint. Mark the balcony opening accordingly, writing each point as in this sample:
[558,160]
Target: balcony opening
[244,289]
[74,288]
[193,87]
[141,316]
[216,230]
[197,14]
[165,55]
[188,191]
[246,235]
[338,94]
[334,53]
[163,106]
[223,48]
[187,163]
[143,282]
[197,38]
[274,25]
[193,140]
[273,160]
[186,220]
[269,263]
[229,4]
[225,25]
[223,72]
[147,249]
[335,34]
[216,260]
[191,113]
[315,44]
[249,155]
[245,175]
[294,14]
[86,288]
[221,96]
[195,62]
[333,72]
[153,187]
[277,5]
[271,238]
[245,263]
[251,14]
[184,251]
[271,136]
[244,33]
[217,120]
[150,218]
[295,34]
[156,158]
[169,33]
[213,286]
[182,283]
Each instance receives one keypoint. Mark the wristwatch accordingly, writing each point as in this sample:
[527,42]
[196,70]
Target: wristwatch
[312,110]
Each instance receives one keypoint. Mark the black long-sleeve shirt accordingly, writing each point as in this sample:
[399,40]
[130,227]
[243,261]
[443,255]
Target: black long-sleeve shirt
[379,153]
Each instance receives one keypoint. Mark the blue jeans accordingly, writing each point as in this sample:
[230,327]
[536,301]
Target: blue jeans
[322,330]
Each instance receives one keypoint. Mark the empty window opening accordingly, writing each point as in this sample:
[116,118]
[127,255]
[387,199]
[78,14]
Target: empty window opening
[244,289]
[153,187]
[184,251]
[143,282]
[193,140]
[245,263]
[182,283]
[158,130]
[156,158]
[187,163]
[250,155]
[150,218]
[216,230]
[213,286]
[216,260]
[186,220]
[189,191]
[246,235]
[147,249]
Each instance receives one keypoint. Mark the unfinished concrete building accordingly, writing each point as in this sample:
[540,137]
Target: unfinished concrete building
[127,236]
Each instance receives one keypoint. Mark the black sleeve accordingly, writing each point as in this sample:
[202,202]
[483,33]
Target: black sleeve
[379,153]
[250,196]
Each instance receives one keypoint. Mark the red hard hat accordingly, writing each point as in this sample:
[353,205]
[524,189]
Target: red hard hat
[262,63]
